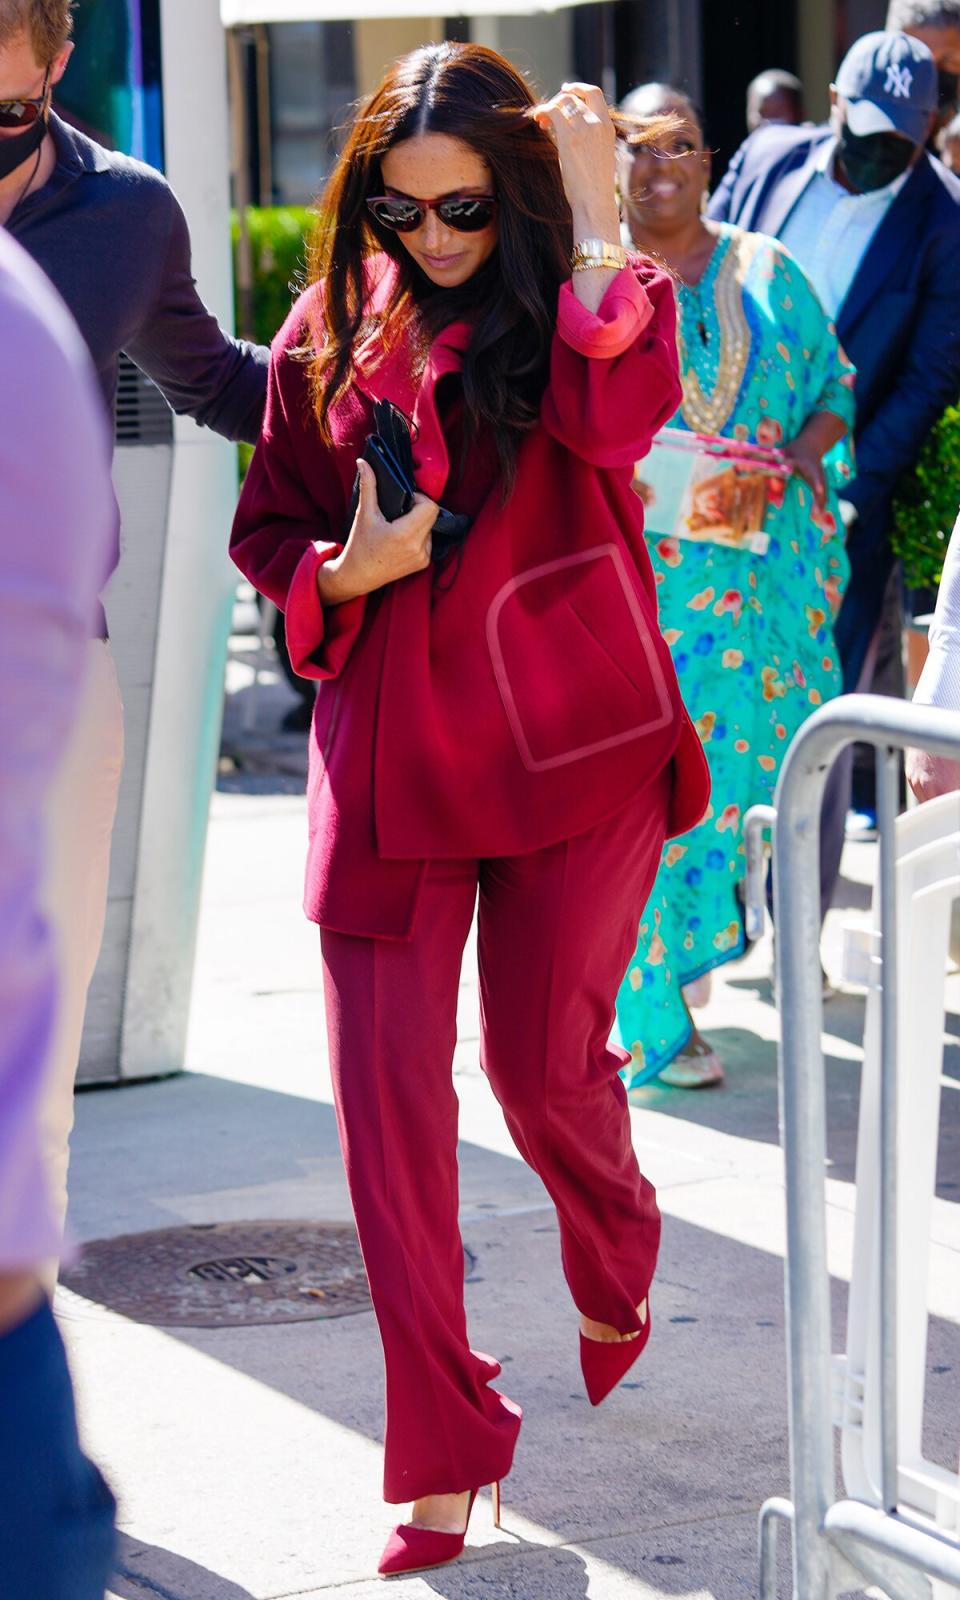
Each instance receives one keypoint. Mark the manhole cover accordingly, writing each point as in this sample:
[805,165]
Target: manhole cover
[227,1274]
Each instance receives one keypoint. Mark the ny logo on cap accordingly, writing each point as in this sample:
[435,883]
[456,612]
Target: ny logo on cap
[898,82]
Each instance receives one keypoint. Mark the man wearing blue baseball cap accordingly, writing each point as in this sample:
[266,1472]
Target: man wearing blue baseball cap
[887,84]
[874,221]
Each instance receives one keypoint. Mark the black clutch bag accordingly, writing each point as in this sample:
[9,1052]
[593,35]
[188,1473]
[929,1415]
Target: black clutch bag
[390,454]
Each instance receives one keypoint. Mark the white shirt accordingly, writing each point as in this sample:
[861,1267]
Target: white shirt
[940,679]
[830,230]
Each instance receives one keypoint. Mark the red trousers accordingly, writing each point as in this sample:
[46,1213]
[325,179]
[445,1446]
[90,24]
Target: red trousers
[557,929]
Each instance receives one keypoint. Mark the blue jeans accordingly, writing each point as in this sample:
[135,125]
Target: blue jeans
[56,1511]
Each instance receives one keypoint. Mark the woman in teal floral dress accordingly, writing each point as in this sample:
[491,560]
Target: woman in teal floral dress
[751,634]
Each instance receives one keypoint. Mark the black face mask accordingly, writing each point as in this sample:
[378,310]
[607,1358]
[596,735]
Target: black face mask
[872,160]
[17,148]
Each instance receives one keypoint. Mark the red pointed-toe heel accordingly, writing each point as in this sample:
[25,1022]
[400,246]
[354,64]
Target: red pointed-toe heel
[604,1364]
[411,1549]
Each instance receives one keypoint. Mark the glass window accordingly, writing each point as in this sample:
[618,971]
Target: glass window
[312,87]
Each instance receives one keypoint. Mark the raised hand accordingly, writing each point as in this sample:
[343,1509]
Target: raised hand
[377,552]
[578,120]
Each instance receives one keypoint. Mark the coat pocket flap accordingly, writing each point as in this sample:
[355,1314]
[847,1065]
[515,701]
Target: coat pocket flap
[579,666]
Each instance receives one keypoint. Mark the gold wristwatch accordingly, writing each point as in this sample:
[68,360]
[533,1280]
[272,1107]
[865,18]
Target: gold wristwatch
[589,253]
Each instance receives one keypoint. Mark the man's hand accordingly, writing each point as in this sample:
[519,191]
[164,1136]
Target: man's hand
[377,552]
[930,776]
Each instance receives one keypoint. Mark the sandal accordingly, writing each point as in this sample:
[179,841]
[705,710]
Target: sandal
[697,1066]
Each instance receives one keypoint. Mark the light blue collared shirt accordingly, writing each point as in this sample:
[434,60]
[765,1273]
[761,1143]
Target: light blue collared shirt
[829,230]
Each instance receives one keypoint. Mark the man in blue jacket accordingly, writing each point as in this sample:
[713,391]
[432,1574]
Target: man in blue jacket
[875,223]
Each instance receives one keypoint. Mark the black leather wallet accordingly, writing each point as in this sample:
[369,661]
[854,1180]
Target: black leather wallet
[390,454]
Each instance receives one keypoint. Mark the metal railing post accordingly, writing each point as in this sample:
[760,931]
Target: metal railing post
[796,854]
[772,1513]
[888,782]
[889,725]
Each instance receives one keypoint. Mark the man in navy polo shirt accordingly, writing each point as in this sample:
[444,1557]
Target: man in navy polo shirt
[874,221]
[111,237]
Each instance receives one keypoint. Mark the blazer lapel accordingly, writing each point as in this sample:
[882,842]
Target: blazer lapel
[895,237]
[784,195]
[430,454]
[390,372]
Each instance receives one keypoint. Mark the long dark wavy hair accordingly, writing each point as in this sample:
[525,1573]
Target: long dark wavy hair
[472,94]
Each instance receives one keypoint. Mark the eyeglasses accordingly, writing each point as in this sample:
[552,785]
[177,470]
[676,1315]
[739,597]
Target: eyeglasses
[466,213]
[663,152]
[25,112]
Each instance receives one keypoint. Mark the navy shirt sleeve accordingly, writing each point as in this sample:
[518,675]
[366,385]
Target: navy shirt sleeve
[203,373]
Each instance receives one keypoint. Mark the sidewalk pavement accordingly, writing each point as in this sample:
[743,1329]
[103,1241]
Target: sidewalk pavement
[247,1460]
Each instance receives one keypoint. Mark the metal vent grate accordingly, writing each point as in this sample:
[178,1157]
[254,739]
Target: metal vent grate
[142,415]
[228,1274]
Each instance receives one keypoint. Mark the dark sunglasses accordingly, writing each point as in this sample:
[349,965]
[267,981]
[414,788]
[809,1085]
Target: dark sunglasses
[24,113]
[466,213]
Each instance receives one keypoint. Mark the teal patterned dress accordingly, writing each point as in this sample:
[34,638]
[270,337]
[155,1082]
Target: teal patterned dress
[751,635]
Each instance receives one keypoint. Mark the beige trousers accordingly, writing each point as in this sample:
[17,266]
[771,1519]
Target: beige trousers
[80,816]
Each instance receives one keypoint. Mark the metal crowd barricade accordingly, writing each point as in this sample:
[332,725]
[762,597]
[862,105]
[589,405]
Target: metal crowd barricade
[879,1537]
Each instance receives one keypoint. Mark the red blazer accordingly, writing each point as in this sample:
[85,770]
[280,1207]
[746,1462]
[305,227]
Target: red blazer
[516,701]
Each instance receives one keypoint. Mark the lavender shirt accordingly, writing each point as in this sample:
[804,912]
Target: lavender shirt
[56,527]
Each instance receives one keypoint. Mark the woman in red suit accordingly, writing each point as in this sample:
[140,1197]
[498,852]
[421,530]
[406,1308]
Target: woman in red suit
[502,719]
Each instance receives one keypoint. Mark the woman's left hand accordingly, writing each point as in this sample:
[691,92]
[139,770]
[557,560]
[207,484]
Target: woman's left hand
[579,121]
[805,453]
[807,465]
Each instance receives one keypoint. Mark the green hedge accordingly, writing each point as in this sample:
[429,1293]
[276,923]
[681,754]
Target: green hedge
[277,242]
[277,235]
[926,505]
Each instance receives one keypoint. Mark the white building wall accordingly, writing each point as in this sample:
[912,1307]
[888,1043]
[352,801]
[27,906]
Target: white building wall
[541,46]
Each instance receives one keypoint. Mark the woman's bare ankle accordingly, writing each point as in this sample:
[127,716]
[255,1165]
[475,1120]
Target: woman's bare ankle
[605,1333]
[696,1044]
[441,1513]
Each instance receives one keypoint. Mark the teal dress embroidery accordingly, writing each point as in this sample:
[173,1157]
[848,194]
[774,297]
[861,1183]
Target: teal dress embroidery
[751,635]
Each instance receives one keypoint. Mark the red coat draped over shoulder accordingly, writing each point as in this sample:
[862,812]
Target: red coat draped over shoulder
[519,699]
